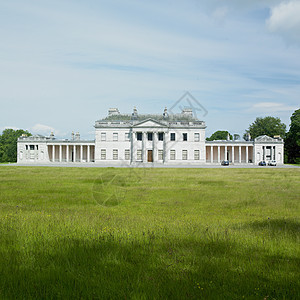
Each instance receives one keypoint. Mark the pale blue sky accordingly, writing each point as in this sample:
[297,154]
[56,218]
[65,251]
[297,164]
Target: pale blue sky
[64,63]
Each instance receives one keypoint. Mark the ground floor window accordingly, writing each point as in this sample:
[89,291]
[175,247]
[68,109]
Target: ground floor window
[196,154]
[172,154]
[127,154]
[115,154]
[184,155]
[103,154]
[160,154]
[139,154]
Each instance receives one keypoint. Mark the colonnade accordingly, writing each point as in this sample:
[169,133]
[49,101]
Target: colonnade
[234,154]
[71,153]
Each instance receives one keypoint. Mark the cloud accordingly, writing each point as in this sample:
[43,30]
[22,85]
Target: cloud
[43,129]
[285,20]
[270,107]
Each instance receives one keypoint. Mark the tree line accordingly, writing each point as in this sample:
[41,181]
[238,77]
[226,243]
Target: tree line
[8,144]
[270,126]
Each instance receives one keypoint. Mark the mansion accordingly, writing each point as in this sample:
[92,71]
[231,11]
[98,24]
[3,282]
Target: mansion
[131,139]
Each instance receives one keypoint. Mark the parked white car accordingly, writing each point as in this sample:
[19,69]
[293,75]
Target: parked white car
[272,163]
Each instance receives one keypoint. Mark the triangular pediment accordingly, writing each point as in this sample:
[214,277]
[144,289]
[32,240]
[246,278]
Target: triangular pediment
[264,138]
[149,123]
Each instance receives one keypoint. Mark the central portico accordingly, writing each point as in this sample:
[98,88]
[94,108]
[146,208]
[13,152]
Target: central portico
[150,140]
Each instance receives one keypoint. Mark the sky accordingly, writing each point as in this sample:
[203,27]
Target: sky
[64,63]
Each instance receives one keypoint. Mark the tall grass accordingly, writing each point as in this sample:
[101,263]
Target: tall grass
[110,233]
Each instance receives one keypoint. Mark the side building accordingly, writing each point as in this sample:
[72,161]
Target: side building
[133,139]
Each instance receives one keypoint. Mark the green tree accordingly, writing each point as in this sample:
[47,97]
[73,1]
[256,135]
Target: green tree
[8,144]
[292,142]
[266,126]
[219,135]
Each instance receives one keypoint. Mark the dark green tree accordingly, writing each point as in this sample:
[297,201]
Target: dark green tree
[292,142]
[266,126]
[8,144]
[219,135]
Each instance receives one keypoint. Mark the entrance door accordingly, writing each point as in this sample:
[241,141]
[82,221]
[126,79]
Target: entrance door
[150,156]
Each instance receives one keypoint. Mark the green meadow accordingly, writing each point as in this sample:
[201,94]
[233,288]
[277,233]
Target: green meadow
[109,233]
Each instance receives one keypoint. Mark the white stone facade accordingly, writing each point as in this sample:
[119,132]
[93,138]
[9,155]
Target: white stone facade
[132,139]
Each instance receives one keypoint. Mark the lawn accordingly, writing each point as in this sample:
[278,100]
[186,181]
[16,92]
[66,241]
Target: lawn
[107,233]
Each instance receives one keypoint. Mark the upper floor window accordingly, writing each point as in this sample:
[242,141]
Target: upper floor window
[31,147]
[115,136]
[197,137]
[160,136]
[103,136]
[127,136]
[184,136]
[139,136]
[172,136]
[150,136]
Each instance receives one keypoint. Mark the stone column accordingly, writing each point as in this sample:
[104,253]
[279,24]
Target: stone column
[67,153]
[133,149]
[81,153]
[165,154]
[247,155]
[144,155]
[88,153]
[211,154]
[53,153]
[232,155]
[60,153]
[155,150]
[225,153]
[240,154]
[74,153]
[219,154]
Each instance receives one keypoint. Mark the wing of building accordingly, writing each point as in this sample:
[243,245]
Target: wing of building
[120,139]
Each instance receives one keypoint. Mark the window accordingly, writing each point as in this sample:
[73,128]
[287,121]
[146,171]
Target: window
[26,147]
[103,154]
[197,137]
[160,154]
[184,154]
[139,136]
[31,147]
[173,137]
[127,154]
[127,136]
[103,136]
[160,136]
[115,154]
[115,136]
[196,154]
[184,136]
[37,147]
[139,154]
[150,136]
[172,154]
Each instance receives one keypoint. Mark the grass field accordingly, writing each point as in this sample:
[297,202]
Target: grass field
[89,233]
